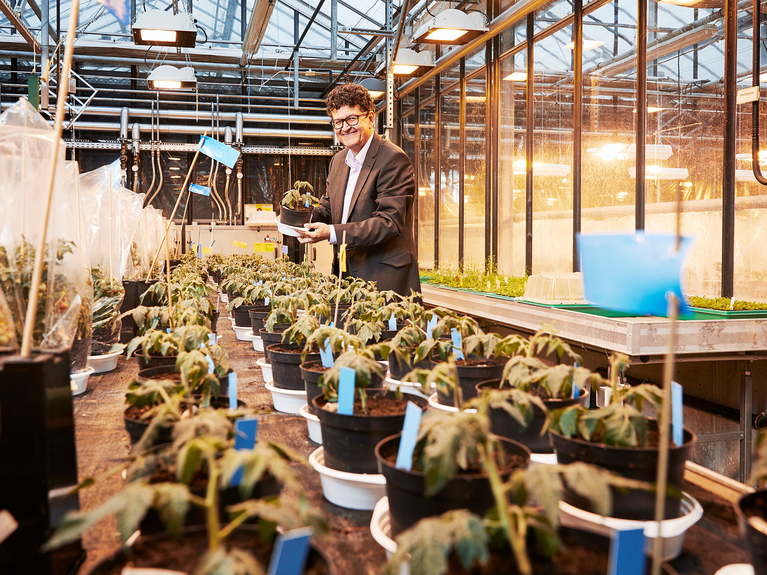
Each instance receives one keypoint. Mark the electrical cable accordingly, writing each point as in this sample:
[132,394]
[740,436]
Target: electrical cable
[204,32]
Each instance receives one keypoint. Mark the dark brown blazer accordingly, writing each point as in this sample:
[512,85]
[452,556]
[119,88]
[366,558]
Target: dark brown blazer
[379,229]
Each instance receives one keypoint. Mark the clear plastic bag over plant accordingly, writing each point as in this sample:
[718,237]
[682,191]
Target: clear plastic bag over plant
[7,330]
[26,154]
[129,206]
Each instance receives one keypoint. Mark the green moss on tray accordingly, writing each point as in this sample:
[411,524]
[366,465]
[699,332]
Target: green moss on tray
[475,278]
[723,303]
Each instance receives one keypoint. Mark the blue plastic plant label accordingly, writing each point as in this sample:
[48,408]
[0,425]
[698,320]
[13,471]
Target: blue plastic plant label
[211,365]
[326,355]
[218,151]
[576,392]
[198,189]
[266,300]
[245,433]
[633,273]
[392,323]
[290,552]
[677,413]
[346,391]
[409,436]
[308,202]
[198,251]
[233,390]
[457,344]
[430,325]
[627,552]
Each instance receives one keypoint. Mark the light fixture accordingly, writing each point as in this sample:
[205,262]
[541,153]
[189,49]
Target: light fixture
[168,77]
[681,2]
[451,26]
[175,168]
[623,151]
[745,176]
[587,45]
[409,62]
[375,87]
[610,151]
[520,76]
[475,99]
[161,28]
[651,109]
[661,173]
[540,169]
[748,157]
[658,49]
[175,177]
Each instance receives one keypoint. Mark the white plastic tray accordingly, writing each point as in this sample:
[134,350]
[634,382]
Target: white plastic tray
[104,363]
[348,490]
[736,569]
[313,423]
[380,529]
[266,368]
[672,530]
[288,230]
[435,404]
[258,343]
[287,400]
[241,333]
[79,381]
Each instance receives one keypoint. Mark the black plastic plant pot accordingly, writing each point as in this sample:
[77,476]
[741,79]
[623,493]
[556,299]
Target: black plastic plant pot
[468,378]
[257,317]
[506,426]
[162,548]
[242,314]
[286,365]
[296,218]
[405,489]
[350,441]
[214,321]
[152,373]
[268,339]
[399,369]
[633,463]
[311,379]
[341,320]
[754,505]
[78,354]
[154,361]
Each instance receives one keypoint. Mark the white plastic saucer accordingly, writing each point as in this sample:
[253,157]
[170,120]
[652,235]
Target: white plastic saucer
[736,569]
[404,387]
[380,529]
[287,400]
[266,368]
[288,230]
[258,343]
[78,381]
[104,363]
[672,530]
[435,404]
[544,458]
[348,490]
[241,333]
[313,423]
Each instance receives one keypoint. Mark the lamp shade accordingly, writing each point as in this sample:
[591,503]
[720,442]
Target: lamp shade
[160,28]
[375,87]
[168,77]
[451,26]
[410,63]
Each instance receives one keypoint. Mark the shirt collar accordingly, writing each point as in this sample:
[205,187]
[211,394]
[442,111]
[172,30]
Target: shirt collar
[355,162]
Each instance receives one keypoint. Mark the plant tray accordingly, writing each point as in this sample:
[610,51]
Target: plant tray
[105,362]
[242,333]
[348,490]
[266,368]
[435,404]
[287,400]
[258,343]
[313,424]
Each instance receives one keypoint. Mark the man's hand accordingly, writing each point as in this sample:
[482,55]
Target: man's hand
[314,232]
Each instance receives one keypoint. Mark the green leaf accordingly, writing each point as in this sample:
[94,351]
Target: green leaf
[171,500]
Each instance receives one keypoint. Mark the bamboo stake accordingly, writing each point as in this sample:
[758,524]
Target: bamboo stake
[665,419]
[175,208]
[170,294]
[29,320]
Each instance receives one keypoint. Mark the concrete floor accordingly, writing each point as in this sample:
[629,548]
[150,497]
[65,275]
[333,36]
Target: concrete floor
[102,442]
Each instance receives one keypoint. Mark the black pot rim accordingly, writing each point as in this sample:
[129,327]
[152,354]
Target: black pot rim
[468,476]
[308,363]
[377,391]
[492,362]
[745,500]
[615,448]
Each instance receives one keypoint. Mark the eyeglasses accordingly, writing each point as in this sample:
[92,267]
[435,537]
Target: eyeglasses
[351,121]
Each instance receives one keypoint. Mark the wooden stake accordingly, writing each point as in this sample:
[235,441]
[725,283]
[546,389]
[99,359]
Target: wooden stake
[37,274]
[175,208]
[170,294]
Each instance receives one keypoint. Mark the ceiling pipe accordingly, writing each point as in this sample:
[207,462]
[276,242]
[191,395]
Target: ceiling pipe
[124,117]
[239,127]
[186,129]
[136,133]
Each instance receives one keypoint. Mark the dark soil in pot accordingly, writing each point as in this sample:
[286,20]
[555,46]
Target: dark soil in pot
[162,552]
[154,360]
[257,317]
[634,463]
[268,339]
[242,314]
[399,370]
[470,373]
[750,507]
[311,373]
[297,217]
[349,441]
[169,372]
[506,426]
[78,354]
[286,362]
[135,426]
[405,489]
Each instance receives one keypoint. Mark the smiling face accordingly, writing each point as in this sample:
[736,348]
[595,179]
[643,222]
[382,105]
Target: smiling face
[354,137]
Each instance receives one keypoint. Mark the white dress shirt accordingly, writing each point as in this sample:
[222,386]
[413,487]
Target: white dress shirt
[355,166]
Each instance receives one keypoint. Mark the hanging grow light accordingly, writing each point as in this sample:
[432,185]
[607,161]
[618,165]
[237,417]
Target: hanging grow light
[541,169]
[160,28]
[661,173]
[451,26]
[168,77]
[375,87]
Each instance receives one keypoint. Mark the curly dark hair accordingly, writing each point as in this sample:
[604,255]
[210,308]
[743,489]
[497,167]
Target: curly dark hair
[349,95]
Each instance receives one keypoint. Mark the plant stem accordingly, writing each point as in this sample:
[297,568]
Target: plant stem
[234,524]
[518,546]
[211,505]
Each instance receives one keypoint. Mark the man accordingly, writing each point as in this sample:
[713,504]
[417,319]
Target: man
[369,197]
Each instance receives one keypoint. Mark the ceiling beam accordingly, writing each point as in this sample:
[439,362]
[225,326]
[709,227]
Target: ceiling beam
[25,32]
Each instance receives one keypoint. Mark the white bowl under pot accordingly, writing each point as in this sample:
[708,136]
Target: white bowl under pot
[348,490]
[105,362]
[380,529]
[287,400]
[435,404]
[266,368]
[313,423]
[258,343]
[404,387]
[672,530]
[242,333]
[78,381]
